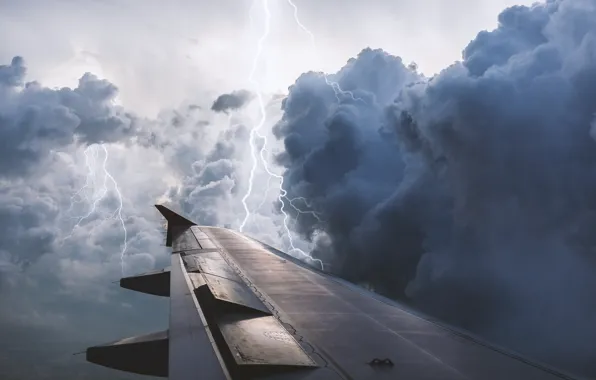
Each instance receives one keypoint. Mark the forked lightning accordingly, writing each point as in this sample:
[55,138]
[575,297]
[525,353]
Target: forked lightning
[261,153]
[98,195]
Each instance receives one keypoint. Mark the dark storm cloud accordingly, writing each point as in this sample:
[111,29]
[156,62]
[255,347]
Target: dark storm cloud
[335,155]
[34,120]
[472,196]
[232,101]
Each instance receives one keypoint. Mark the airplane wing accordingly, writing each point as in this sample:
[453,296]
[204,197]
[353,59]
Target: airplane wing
[240,309]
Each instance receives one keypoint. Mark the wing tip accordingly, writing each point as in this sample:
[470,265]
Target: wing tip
[173,217]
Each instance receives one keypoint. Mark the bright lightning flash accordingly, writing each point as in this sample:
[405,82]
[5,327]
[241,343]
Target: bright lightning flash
[255,133]
[334,85]
[98,194]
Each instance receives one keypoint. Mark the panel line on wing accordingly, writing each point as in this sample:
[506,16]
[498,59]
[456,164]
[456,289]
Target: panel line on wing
[300,339]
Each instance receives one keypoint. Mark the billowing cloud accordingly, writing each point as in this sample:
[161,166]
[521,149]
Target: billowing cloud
[57,198]
[469,194]
[57,257]
[210,187]
[35,120]
[232,101]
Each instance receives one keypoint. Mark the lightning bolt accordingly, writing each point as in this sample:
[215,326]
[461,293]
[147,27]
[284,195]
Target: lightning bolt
[255,133]
[290,201]
[118,212]
[98,196]
[89,182]
[300,211]
[255,130]
[334,85]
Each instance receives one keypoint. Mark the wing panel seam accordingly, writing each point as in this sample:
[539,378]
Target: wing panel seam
[274,309]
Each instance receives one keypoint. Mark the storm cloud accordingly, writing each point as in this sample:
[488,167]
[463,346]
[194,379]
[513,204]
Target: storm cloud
[35,120]
[59,253]
[233,101]
[470,195]
[56,195]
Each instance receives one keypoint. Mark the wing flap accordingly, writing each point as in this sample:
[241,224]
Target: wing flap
[262,341]
[234,293]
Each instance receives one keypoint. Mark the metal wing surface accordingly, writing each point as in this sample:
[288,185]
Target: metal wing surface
[240,309]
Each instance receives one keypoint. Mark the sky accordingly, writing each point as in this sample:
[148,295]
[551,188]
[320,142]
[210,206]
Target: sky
[465,131]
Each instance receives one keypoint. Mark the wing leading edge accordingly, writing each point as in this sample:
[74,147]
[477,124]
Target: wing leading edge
[240,309]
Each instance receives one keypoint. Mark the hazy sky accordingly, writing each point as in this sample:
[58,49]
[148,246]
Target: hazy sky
[162,53]
[170,60]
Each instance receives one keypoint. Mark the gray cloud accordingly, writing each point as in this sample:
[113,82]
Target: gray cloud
[58,284]
[56,276]
[35,120]
[35,123]
[334,153]
[26,217]
[208,190]
[12,75]
[470,194]
[232,101]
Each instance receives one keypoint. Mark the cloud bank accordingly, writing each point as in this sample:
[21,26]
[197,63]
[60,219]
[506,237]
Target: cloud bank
[470,195]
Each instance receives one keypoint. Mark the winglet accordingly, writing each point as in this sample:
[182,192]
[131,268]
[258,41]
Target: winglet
[174,220]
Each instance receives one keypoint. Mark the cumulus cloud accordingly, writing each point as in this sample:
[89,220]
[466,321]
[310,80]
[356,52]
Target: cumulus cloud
[34,120]
[39,128]
[56,267]
[207,191]
[335,151]
[56,197]
[469,194]
[232,101]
